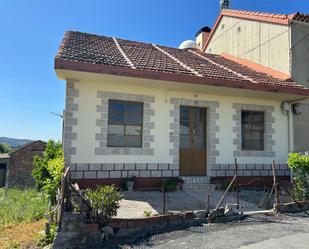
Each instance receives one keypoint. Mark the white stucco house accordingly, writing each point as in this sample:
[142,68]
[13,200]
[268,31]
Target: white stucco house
[150,111]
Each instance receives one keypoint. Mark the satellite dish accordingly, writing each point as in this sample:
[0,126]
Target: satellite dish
[187,44]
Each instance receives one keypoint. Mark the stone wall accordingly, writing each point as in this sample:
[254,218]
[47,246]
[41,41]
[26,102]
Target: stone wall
[21,165]
[75,233]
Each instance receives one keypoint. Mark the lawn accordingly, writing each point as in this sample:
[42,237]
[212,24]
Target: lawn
[21,217]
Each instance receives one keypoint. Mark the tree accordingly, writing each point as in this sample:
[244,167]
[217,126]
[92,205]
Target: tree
[48,169]
[4,148]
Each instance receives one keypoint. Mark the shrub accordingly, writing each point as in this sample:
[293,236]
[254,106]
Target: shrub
[4,148]
[48,238]
[21,206]
[170,185]
[55,169]
[104,202]
[300,166]
[49,168]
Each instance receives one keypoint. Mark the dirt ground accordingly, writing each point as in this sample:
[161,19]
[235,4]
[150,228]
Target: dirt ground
[21,236]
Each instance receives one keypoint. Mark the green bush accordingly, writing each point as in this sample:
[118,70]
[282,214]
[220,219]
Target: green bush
[300,166]
[4,148]
[104,202]
[48,238]
[49,168]
[55,168]
[21,206]
[170,185]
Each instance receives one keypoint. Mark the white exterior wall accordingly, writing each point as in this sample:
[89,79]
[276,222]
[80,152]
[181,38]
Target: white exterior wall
[81,147]
[263,43]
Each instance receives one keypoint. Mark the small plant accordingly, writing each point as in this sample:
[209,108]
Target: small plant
[300,166]
[124,186]
[147,213]
[49,237]
[170,185]
[128,184]
[104,202]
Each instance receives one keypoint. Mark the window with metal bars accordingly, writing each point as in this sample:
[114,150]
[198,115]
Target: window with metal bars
[252,130]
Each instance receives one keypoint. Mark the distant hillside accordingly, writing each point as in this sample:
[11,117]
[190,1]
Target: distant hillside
[14,142]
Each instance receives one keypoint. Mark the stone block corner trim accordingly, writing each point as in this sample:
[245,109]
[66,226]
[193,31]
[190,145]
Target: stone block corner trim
[69,119]
[102,124]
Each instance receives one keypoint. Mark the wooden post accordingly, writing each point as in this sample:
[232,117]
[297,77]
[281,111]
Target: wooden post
[163,190]
[237,182]
[226,191]
[207,204]
[275,184]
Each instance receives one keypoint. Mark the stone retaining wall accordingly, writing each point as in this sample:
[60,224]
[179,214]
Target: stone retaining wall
[74,232]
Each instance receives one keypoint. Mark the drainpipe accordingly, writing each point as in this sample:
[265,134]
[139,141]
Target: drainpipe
[290,129]
[289,114]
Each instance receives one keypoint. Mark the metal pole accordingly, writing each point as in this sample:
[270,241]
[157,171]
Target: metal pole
[163,190]
[275,185]
[237,182]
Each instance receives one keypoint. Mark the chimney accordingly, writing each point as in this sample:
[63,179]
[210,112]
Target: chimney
[201,37]
[225,4]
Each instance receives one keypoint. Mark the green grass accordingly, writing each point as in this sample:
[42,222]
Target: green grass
[21,206]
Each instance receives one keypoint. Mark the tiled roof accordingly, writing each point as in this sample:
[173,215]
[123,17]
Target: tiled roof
[94,53]
[267,17]
[301,17]
[253,14]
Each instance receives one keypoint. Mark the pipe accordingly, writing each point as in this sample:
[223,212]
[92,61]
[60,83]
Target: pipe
[291,127]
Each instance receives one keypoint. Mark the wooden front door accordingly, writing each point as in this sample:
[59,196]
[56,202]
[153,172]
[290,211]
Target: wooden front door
[192,146]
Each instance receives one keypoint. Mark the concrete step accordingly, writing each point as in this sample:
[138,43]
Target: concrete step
[196,179]
[198,183]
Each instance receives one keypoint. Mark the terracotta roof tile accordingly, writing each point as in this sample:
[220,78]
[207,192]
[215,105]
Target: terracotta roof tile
[102,51]
[145,57]
[301,17]
[254,14]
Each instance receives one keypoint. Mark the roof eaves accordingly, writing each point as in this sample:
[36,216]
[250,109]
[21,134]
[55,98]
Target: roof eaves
[190,79]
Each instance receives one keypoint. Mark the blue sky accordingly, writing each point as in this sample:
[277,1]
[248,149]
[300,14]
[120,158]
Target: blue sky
[32,30]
